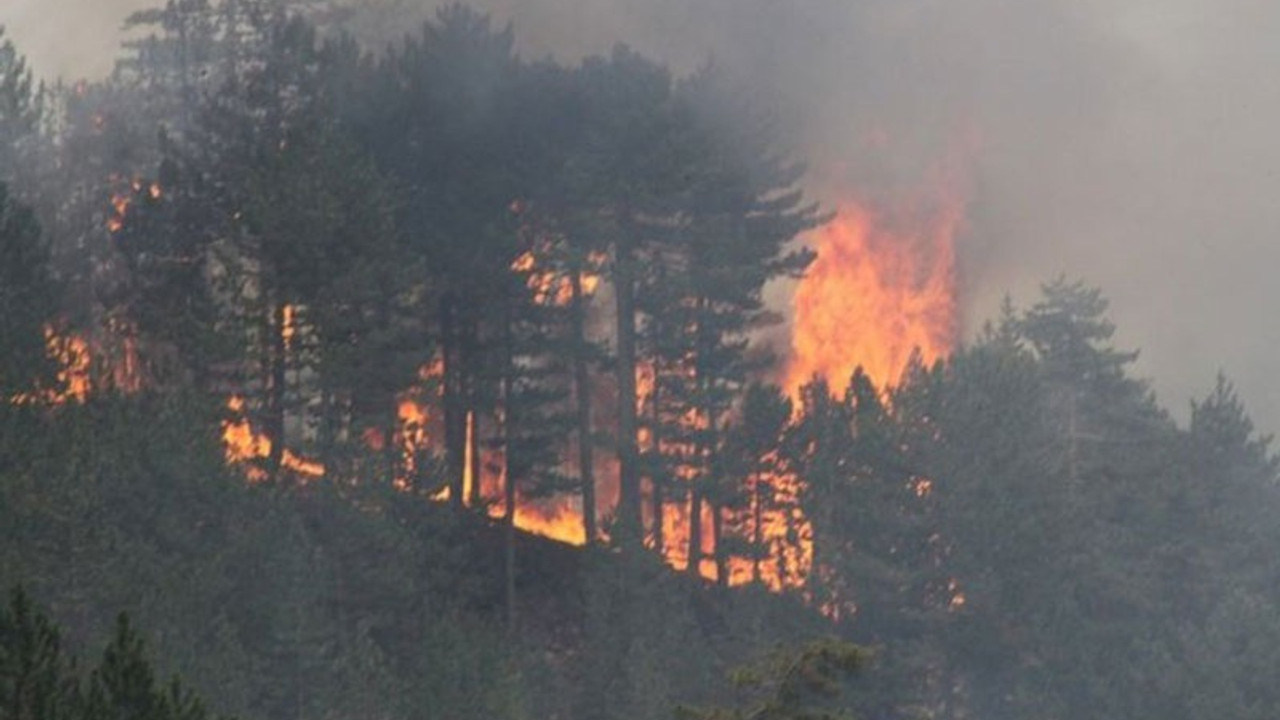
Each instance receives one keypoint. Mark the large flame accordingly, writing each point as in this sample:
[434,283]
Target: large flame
[883,287]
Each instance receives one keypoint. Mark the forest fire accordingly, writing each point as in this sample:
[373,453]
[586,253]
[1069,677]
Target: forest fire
[471,370]
[245,445]
[882,288]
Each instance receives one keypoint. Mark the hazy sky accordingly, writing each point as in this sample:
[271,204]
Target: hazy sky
[1133,143]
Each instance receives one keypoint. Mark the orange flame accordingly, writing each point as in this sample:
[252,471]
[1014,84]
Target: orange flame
[289,325]
[244,445]
[559,521]
[122,199]
[552,287]
[882,288]
[74,378]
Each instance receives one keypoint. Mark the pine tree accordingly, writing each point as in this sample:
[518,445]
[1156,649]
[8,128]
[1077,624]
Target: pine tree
[801,684]
[734,214]
[631,175]
[1225,440]
[444,135]
[753,460]
[36,682]
[29,295]
[21,114]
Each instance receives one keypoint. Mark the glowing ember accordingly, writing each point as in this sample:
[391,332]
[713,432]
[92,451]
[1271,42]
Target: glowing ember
[882,288]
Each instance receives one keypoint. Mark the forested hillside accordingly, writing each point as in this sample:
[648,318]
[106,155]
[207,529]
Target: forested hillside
[433,381]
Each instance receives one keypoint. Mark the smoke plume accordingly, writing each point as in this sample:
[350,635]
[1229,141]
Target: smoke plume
[1127,143]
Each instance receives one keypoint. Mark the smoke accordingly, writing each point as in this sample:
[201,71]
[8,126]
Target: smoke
[1128,143]
[67,39]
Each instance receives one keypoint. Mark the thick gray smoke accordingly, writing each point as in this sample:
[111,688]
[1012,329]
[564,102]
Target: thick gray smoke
[1127,142]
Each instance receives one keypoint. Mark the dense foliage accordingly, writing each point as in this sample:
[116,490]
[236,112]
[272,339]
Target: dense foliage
[39,682]
[390,275]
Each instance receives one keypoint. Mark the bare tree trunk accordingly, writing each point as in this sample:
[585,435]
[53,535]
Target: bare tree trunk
[629,525]
[470,397]
[475,461]
[702,448]
[717,534]
[510,563]
[276,357]
[582,398]
[695,529]
[757,533]
[657,481]
[455,417]
[509,421]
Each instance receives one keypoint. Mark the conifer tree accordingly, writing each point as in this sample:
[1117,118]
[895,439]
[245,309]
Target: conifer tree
[28,293]
[36,682]
[736,212]
[21,113]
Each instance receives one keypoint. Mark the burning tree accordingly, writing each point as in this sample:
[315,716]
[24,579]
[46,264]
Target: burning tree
[729,235]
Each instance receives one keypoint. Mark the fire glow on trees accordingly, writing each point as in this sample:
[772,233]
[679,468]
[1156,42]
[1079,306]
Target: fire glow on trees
[882,289]
[123,198]
[73,379]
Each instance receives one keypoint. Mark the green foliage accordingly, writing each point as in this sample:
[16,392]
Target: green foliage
[35,680]
[29,296]
[21,111]
[37,683]
[803,684]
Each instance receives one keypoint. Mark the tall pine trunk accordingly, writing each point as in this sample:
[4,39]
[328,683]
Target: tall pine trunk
[582,399]
[629,524]
[509,422]
[657,481]
[717,535]
[695,528]
[757,533]
[276,357]
[702,448]
[455,416]
[475,462]
[470,396]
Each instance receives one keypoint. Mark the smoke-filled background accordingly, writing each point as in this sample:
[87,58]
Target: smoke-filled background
[1127,143]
